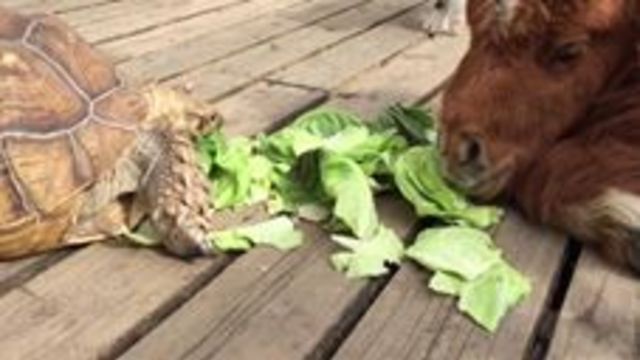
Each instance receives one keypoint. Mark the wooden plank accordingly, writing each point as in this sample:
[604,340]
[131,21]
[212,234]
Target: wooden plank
[337,64]
[208,23]
[415,74]
[601,315]
[52,6]
[278,306]
[119,19]
[307,42]
[402,323]
[13,273]
[405,323]
[284,103]
[174,60]
[72,309]
[211,85]
[103,12]
[100,299]
[259,61]
[266,305]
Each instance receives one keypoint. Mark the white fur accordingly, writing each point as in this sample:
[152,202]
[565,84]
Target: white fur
[445,16]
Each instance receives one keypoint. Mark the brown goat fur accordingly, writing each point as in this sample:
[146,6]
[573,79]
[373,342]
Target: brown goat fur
[545,109]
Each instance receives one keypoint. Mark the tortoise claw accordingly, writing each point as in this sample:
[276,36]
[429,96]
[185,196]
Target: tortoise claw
[187,249]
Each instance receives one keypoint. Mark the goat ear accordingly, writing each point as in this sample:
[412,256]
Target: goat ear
[603,14]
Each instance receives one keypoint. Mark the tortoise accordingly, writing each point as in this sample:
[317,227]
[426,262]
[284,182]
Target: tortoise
[83,157]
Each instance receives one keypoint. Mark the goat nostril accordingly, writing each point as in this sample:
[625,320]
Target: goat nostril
[471,152]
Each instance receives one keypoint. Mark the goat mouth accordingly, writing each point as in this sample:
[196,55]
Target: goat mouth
[488,185]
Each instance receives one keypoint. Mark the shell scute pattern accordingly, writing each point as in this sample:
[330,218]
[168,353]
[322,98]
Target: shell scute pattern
[65,120]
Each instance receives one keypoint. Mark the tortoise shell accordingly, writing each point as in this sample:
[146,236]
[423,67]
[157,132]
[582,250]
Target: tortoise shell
[65,120]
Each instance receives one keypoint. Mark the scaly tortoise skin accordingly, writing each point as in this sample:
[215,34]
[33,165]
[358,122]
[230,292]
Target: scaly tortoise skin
[82,157]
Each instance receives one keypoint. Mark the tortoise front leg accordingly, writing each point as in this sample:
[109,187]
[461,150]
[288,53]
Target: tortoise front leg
[175,193]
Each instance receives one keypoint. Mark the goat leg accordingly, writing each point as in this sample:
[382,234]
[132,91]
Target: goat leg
[589,187]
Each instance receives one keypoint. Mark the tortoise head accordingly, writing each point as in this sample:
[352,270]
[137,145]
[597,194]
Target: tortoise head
[176,110]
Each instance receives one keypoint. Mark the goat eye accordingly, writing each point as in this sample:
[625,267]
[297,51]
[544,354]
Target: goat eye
[567,53]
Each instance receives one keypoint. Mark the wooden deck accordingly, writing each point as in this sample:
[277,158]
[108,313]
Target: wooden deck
[262,62]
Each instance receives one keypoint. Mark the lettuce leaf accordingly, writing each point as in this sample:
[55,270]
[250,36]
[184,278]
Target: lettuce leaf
[368,257]
[345,182]
[468,266]
[416,124]
[445,283]
[461,251]
[327,166]
[239,176]
[417,176]
[488,298]
[279,233]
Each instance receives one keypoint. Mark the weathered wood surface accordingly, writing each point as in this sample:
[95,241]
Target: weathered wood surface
[601,315]
[267,305]
[53,6]
[263,62]
[409,322]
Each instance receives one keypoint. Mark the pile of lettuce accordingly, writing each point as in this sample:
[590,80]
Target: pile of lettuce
[328,166]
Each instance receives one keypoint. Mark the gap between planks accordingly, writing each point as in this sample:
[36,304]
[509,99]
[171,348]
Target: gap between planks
[600,318]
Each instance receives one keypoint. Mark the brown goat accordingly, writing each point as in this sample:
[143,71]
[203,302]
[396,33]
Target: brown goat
[545,109]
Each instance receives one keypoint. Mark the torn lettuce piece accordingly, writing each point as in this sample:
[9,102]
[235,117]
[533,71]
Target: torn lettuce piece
[230,165]
[345,182]
[261,180]
[461,251]
[206,147]
[314,212]
[368,257]
[468,266]
[310,132]
[482,217]
[326,121]
[414,123]
[297,153]
[336,131]
[446,283]
[417,176]
[378,153]
[279,232]
[231,241]
[488,298]
[142,236]
[297,186]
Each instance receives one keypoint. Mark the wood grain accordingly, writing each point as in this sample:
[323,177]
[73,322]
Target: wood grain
[601,315]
